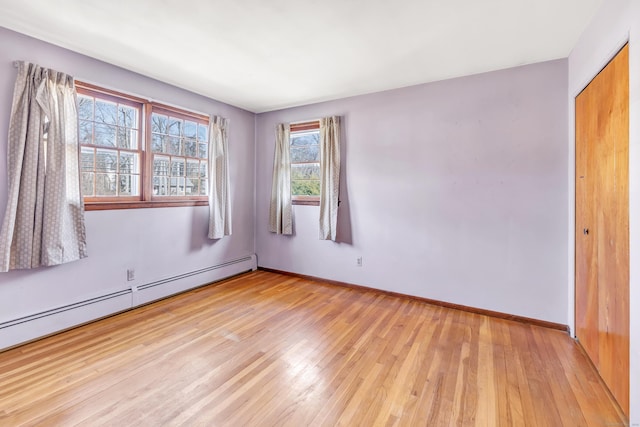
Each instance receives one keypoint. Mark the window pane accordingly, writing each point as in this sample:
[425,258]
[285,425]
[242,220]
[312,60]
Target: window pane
[190,148]
[87,183]
[190,129]
[105,184]
[105,135]
[204,170]
[175,126]
[128,185]
[106,161]
[203,187]
[85,107]
[191,187]
[157,145]
[193,168]
[86,159]
[177,186]
[174,146]
[306,138]
[127,116]
[129,163]
[203,133]
[127,138]
[203,150]
[305,171]
[160,186]
[305,188]
[161,165]
[106,112]
[305,153]
[85,130]
[177,167]
[158,123]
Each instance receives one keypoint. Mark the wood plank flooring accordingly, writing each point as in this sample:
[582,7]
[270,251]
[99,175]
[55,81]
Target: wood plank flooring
[264,349]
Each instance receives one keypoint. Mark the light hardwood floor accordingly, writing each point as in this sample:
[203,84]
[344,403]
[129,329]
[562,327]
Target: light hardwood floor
[264,349]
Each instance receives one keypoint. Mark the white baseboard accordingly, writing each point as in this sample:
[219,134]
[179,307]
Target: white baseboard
[47,322]
[163,288]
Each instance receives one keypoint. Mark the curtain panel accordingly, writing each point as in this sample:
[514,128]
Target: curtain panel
[329,176]
[43,223]
[280,209]
[219,183]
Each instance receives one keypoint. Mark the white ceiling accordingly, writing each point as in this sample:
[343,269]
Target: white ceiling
[263,55]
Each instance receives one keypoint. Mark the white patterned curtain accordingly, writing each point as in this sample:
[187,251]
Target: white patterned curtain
[44,221]
[329,176]
[219,202]
[280,212]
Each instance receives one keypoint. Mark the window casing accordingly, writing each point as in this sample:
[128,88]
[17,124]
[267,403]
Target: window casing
[136,153]
[304,153]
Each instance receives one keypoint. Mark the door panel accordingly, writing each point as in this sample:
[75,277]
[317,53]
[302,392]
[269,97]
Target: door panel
[602,208]
[586,298]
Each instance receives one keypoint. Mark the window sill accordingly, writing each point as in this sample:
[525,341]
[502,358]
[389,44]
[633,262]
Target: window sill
[306,202]
[102,206]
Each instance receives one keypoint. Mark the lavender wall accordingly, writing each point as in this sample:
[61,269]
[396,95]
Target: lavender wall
[158,243]
[617,22]
[454,190]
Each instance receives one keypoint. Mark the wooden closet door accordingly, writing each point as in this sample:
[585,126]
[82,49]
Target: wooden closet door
[602,224]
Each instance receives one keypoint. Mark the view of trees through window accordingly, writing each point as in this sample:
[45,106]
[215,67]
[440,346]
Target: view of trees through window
[180,150]
[305,163]
[109,158]
[123,136]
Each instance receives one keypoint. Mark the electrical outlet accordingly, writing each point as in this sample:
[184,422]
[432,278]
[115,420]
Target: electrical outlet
[359,261]
[131,274]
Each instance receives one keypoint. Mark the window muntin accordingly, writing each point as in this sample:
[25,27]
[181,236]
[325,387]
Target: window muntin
[137,153]
[305,162]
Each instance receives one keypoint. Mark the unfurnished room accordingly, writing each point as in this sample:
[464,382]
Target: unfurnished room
[337,213]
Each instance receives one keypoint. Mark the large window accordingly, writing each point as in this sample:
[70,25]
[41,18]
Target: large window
[305,163]
[136,153]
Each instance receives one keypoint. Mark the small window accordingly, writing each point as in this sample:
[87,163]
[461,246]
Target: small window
[137,153]
[305,163]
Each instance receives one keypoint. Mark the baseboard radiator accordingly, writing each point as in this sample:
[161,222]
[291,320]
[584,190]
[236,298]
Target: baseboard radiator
[56,319]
